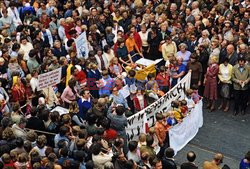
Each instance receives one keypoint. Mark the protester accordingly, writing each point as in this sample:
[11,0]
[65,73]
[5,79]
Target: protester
[240,78]
[225,75]
[211,83]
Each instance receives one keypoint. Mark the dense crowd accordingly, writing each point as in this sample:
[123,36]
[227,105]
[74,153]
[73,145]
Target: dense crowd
[208,37]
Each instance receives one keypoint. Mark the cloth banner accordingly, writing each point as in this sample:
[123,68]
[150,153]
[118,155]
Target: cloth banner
[136,124]
[82,46]
[182,133]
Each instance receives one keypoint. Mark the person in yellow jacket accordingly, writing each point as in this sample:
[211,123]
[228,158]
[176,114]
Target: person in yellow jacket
[225,77]
[168,48]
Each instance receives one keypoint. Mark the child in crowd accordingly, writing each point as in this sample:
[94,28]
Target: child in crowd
[177,111]
[156,141]
[173,68]
[189,99]
[115,67]
[163,79]
[106,84]
[171,120]
[195,95]
[153,87]
[22,161]
[183,107]
[142,140]
[139,100]
[134,151]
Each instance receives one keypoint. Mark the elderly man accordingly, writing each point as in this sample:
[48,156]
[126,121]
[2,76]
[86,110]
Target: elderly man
[18,128]
[231,55]
[240,78]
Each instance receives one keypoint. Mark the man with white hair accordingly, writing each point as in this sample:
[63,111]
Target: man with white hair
[195,8]
[61,30]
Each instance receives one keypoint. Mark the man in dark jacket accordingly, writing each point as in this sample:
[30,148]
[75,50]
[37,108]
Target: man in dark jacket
[168,160]
[190,164]
[34,122]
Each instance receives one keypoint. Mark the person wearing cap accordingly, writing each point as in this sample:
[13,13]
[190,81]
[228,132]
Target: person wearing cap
[215,163]
[240,78]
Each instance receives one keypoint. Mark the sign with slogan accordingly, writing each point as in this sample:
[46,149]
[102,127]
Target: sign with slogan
[136,123]
[82,46]
[48,79]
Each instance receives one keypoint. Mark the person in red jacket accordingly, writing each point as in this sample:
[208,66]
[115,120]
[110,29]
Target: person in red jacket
[139,101]
[79,75]
[163,79]
[18,91]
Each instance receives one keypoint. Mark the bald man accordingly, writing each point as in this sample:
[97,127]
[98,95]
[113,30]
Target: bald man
[215,163]
[191,156]
[232,54]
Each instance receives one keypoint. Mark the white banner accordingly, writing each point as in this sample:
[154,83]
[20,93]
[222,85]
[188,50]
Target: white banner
[182,133]
[82,46]
[135,123]
[48,79]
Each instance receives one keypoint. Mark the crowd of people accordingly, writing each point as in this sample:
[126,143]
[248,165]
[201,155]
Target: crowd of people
[208,37]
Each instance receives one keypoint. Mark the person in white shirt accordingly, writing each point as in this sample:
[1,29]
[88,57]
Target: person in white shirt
[13,12]
[101,59]
[61,30]
[34,81]
[144,38]
[195,8]
[25,47]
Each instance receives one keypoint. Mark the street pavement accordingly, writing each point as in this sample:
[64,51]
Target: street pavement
[221,133]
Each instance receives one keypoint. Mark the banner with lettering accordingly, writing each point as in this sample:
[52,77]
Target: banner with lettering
[48,79]
[136,123]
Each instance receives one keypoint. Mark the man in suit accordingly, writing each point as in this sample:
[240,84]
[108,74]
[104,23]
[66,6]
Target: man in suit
[168,161]
[189,17]
[192,43]
[191,156]
[232,55]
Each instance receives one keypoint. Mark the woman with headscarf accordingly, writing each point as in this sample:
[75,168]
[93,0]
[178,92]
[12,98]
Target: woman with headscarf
[18,91]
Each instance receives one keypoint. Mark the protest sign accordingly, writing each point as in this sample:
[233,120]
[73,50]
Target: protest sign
[82,46]
[136,123]
[48,79]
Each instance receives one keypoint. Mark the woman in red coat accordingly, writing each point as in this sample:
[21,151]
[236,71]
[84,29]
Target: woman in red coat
[139,101]
[211,83]
[18,91]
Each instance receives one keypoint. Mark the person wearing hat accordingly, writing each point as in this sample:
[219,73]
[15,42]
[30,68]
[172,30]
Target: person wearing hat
[215,163]
[240,78]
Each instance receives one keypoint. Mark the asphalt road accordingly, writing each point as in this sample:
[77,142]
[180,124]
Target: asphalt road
[221,132]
